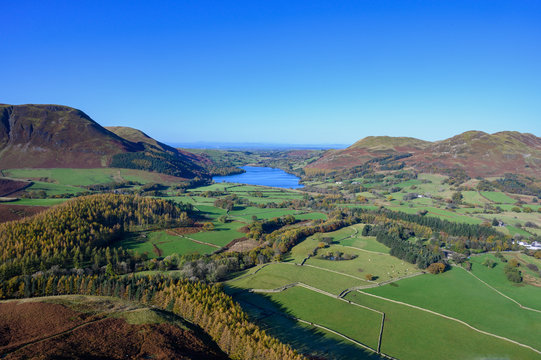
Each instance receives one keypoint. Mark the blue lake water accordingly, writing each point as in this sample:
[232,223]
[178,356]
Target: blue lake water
[265,176]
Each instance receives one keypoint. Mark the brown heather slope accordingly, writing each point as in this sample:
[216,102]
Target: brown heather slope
[482,154]
[476,152]
[365,149]
[96,328]
[10,212]
[55,136]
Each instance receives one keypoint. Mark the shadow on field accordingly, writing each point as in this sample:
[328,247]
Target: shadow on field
[276,321]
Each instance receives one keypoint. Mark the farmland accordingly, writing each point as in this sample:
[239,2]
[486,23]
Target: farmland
[329,293]
[475,303]
[161,243]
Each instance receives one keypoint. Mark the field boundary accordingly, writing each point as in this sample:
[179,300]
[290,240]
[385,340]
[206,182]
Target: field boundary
[453,319]
[199,242]
[356,248]
[361,287]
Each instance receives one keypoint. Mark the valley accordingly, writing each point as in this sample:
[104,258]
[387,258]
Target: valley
[376,258]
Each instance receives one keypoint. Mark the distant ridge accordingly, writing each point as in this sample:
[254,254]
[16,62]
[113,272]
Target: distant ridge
[475,152]
[255,146]
[48,136]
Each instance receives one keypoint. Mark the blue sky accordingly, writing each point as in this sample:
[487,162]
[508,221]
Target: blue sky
[280,71]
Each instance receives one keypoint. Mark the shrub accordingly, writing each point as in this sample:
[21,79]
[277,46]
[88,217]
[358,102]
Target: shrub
[489,263]
[436,268]
[532,267]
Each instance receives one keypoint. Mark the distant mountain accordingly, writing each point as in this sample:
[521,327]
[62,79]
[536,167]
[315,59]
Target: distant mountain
[475,152]
[366,149]
[47,136]
[389,143]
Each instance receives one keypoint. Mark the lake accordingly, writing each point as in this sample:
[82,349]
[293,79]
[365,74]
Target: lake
[265,176]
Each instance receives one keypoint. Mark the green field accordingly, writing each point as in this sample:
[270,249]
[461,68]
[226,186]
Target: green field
[411,334]
[527,295]
[161,244]
[38,202]
[222,234]
[54,189]
[355,322]
[474,303]
[439,213]
[274,276]
[498,197]
[473,197]
[271,317]
[85,177]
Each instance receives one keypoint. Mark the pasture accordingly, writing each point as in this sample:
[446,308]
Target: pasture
[276,275]
[527,295]
[161,244]
[355,322]
[411,334]
[474,303]
[85,177]
[498,197]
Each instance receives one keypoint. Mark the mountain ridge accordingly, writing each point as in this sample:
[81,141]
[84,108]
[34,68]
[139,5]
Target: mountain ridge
[475,152]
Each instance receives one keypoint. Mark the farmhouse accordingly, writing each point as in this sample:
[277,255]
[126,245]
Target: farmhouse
[533,246]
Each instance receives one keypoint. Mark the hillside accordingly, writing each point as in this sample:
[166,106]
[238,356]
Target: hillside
[89,327]
[364,150]
[139,137]
[55,136]
[482,154]
[475,152]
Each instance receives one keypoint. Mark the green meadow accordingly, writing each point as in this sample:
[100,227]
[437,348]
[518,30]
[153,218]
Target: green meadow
[161,244]
[276,275]
[412,334]
[459,295]
[498,197]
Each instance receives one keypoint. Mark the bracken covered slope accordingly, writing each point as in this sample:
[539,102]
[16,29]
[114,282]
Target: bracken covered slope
[475,152]
[87,327]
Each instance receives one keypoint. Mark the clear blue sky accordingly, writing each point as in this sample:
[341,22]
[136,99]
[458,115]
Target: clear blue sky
[280,71]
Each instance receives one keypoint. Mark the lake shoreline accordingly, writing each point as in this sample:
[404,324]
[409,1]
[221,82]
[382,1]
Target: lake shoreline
[263,176]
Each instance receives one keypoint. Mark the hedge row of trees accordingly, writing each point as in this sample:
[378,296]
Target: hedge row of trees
[205,305]
[437,224]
